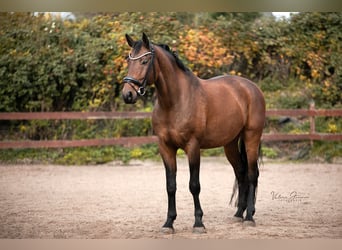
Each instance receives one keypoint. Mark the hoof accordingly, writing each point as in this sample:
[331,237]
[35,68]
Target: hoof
[167,230]
[199,230]
[249,223]
[237,219]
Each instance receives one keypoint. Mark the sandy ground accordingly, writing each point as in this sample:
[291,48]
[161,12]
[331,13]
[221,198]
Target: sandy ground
[295,200]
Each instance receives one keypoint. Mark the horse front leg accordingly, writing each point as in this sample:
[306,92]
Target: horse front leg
[193,153]
[168,155]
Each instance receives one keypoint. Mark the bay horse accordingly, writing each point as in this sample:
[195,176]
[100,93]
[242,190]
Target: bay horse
[192,114]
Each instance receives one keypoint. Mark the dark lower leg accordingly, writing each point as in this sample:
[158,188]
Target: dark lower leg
[241,176]
[242,199]
[251,198]
[194,183]
[250,203]
[195,189]
[171,193]
[238,161]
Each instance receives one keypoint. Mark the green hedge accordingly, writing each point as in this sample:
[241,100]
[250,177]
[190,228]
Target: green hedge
[49,64]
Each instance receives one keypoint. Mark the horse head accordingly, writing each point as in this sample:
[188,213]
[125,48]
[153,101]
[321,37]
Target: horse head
[140,68]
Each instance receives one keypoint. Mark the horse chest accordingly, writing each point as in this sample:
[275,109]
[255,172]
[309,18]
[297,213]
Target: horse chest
[172,130]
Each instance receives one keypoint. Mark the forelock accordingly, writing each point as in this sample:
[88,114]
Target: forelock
[137,47]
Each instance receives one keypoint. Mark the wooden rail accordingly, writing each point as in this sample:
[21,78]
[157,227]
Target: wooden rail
[131,141]
[312,135]
[73,115]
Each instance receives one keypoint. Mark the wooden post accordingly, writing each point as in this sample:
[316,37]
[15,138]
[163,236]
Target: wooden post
[312,120]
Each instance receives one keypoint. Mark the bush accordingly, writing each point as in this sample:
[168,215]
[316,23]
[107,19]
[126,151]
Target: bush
[50,64]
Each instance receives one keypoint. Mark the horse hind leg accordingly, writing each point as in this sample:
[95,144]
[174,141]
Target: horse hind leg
[236,155]
[252,142]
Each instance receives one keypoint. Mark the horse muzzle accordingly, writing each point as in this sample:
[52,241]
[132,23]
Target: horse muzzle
[129,94]
[130,97]
[132,89]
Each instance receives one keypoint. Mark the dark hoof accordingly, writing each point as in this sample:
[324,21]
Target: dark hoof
[167,230]
[199,230]
[237,219]
[249,223]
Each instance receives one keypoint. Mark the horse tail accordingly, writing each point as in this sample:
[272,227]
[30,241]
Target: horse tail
[243,156]
[234,194]
[260,156]
[259,162]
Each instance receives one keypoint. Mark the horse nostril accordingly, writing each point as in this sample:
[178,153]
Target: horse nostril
[128,97]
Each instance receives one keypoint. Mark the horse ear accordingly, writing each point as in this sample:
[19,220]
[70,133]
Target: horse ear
[130,40]
[146,40]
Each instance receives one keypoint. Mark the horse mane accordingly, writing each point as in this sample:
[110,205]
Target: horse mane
[174,54]
[137,46]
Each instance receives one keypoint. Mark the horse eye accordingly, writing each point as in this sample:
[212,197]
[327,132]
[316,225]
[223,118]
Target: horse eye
[145,61]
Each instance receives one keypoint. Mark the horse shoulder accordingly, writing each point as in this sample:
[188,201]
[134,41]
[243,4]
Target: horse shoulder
[182,123]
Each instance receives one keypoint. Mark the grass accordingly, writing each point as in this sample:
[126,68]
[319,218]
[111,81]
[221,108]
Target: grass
[327,150]
[78,156]
[324,151]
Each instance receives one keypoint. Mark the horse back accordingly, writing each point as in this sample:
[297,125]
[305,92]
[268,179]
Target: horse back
[237,99]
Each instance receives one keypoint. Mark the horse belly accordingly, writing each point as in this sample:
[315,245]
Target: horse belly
[225,117]
[220,132]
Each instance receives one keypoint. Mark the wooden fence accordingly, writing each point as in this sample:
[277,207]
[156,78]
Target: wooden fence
[131,141]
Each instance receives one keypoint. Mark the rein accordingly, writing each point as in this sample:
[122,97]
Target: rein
[132,81]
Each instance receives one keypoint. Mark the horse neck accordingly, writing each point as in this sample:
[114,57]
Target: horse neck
[172,82]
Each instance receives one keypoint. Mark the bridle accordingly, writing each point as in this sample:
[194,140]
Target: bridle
[132,81]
